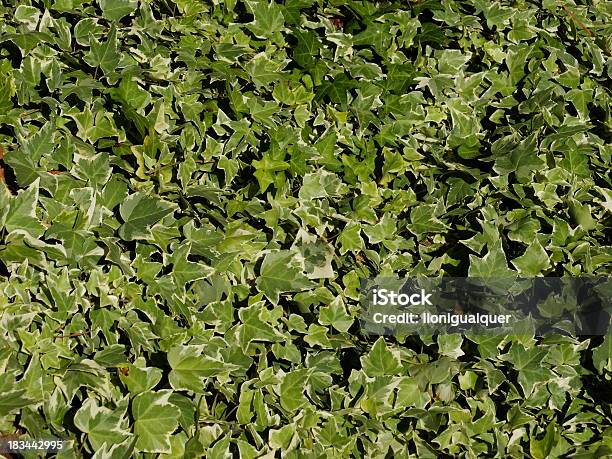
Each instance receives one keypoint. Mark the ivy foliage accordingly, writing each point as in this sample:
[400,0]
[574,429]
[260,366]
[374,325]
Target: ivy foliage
[193,190]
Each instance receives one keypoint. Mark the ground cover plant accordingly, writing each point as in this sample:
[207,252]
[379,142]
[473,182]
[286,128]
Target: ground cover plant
[191,192]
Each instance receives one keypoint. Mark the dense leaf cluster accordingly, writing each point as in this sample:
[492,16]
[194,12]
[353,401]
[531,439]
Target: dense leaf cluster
[192,190]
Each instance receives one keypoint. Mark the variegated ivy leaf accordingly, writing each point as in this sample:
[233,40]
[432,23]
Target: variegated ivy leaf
[155,418]
[21,213]
[139,212]
[278,276]
[103,425]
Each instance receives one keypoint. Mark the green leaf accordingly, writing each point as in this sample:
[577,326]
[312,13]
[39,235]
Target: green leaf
[139,212]
[319,185]
[493,264]
[528,363]
[576,163]
[265,170]
[281,438]
[498,15]
[350,238]
[7,85]
[336,316]
[115,10]
[95,170]
[114,193]
[541,449]
[21,215]
[533,261]
[580,98]
[264,71]
[602,355]
[336,90]
[381,360]
[105,54]
[384,230]
[101,424]
[450,345]
[253,328]
[12,397]
[26,171]
[468,380]
[277,275]
[190,368]
[582,214]
[307,48]
[138,379]
[523,160]
[268,18]
[423,220]
[40,143]
[155,418]
[28,15]
[24,161]
[292,388]
[185,271]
